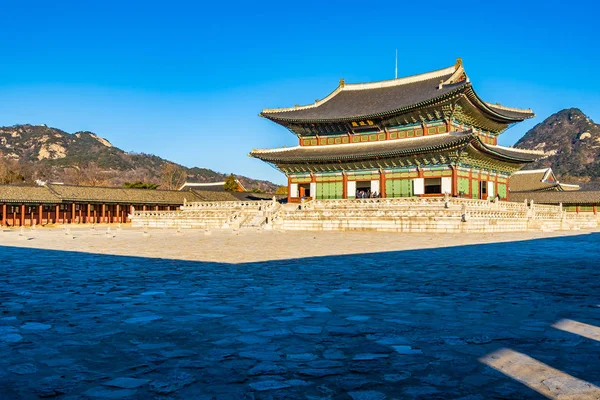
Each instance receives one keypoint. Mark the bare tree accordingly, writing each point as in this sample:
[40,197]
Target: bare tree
[12,171]
[93,175]
[172,176]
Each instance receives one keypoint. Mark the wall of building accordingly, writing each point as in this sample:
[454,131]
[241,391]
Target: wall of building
[461,181]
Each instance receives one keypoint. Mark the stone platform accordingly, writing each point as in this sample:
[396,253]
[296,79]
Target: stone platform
[400,215]
[514,320]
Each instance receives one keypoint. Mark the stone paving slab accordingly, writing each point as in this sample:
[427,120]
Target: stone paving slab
[411,324]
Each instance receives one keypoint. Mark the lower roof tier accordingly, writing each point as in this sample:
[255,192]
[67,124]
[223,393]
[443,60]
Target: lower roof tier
[459,141]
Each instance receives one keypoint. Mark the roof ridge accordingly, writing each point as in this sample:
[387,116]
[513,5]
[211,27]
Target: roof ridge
[530,171]
[505,108]
[516,149]
[370,85]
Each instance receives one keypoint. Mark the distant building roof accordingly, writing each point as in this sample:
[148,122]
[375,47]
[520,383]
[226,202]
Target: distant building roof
[52,193]
[537,180]
[210,186]
[27,194]
[555,197]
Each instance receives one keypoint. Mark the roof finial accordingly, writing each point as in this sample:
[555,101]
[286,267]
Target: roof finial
[458,63]
[396,73]
[342,83]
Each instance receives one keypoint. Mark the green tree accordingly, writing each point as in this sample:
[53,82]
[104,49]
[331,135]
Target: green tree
[231,184]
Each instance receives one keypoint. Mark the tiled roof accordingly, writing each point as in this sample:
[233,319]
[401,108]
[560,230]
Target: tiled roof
[388,148]
[120,195]
[212,195]
[349,104]
[26,194]
[552,197]
[374,99]
[530,181]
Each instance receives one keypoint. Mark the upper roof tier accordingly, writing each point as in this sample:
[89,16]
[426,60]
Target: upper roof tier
[379,100]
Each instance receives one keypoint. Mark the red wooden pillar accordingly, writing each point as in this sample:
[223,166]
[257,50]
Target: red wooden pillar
[345,185]
[4,214]
[594,208]
[454,181]
[103,217]
[14,215]
[56,214]
[41,214]
[155,208]
[89,210]
[577,209]
[382,193]
[117,214]
[72,213]
[144,208]
[169,208]
[22,221]
[79,219]
[470,183]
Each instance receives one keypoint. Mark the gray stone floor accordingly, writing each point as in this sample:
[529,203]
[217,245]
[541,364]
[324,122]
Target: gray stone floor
[396,325]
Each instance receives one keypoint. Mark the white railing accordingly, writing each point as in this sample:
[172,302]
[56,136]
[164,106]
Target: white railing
[202,205]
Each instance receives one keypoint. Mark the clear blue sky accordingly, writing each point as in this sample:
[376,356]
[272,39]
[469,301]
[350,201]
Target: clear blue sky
[186,79]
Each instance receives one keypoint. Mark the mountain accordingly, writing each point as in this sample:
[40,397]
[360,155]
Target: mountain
[30,152]
[572,142]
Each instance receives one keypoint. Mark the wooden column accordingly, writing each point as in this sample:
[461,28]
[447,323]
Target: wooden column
[155,208]
[594,208]
[470,183]
[41,214]
[117,213]
[56,214]
[4,214]
[89,210]
[169,208]
[14,216]
[454,180]
[345,183]
[22,220]
[382,193]
[144,207]
[577,209]
[79,219]
[103,218]
[289,188]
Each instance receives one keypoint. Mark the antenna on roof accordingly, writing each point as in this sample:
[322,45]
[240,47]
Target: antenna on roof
[396,75]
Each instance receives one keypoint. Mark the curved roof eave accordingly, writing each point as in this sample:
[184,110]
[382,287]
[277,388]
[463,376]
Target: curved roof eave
[491,109]
[276,118]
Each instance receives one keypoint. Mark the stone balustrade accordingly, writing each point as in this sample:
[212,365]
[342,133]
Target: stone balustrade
[222,205]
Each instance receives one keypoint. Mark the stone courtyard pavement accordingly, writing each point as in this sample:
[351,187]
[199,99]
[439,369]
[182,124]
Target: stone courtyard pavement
[491,321]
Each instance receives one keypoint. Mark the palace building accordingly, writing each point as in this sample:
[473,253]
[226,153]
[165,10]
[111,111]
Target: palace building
[423,135]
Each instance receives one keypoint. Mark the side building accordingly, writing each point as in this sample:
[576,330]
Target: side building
[65,204]
[424,135]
